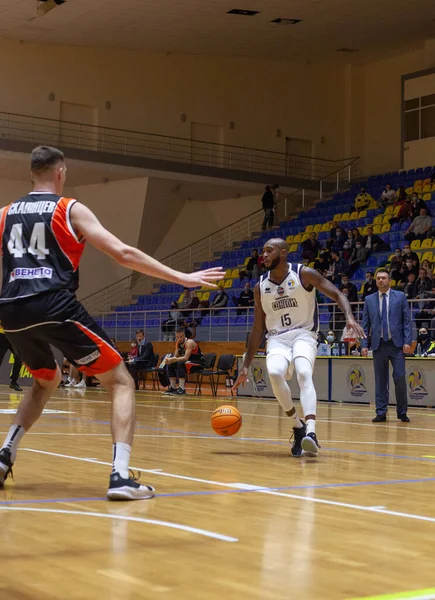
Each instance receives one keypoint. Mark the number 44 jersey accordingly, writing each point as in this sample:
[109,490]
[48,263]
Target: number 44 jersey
[41,251]
[289,305]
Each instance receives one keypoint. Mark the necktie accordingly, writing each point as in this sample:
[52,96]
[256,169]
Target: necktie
[385,335]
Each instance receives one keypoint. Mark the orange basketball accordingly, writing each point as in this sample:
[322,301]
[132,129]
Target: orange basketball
[226,420]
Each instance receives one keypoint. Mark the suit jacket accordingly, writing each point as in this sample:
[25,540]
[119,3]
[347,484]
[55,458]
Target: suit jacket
[145,354]
[398,315]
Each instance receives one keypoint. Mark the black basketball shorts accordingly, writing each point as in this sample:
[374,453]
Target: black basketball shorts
[58,319]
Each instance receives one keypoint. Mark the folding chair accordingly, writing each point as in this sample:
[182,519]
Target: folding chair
[209,362]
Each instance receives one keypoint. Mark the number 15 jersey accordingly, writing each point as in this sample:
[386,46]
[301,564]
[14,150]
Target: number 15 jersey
[41,251]
[288,306]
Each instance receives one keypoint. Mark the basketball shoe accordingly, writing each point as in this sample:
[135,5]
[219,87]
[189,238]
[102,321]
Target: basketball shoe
[298,435]
[128,489]
[6,465]
[310,445]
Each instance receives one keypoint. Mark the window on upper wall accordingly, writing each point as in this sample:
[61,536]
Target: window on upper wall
[419,117]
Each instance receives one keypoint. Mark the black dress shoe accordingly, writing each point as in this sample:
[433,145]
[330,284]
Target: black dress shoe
[404,419]
[379,419]
[14,386]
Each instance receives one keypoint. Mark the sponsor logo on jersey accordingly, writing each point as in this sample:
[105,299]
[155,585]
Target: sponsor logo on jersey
[284,303]
[267,290]
[32,208]
[38,273]
[89,358]
[292,284]
[280,291]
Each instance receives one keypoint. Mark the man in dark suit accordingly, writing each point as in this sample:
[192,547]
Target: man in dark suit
[144,358]
[387,320]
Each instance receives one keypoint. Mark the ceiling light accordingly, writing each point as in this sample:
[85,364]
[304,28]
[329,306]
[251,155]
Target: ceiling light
[286,21]
[244,13]
[44,6]
[348,50]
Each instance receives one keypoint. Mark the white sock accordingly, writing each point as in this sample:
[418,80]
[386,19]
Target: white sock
[13,438]
[121,458]
[277,367]
[311,425]
[304,372]
[173,382]
[181,383]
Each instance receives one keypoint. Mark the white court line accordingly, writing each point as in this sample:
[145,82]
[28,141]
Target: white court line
[257,489]
[204,532]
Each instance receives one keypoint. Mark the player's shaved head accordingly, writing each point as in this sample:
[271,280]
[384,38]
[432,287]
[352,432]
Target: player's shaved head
[278,243]
[274,253]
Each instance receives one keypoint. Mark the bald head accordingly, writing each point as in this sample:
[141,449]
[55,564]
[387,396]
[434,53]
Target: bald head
[278,243]
[275,253]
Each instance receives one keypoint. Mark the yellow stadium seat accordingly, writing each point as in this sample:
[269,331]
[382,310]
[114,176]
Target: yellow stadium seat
[234,273]
[205,296]
[297,239]
[415,245]
[433,243]
[345,216]
[428,256]
[227,273]
[433,187]
[305,236]
[386,228]
[378,220]
[362,214]
[365,230]
[311,265]
[228,283]
[393,283]
[326,226]
[389,210]
[373,204]
[247,259]
[337,217]
[427,197]
[427,243]
[419,254]
[180,299]
[377,229]
[309,228]
[385,219]
[288,239]
[426,181]
[318,228]
[396,210]
[293,248]
[426,188]
[353,216]
[409,191]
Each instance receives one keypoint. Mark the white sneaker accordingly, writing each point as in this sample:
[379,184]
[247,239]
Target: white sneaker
[128,489]
[82,384]
[70,383]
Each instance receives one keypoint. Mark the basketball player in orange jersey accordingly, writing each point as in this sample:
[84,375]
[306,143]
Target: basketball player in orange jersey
[42,239]
[286,306]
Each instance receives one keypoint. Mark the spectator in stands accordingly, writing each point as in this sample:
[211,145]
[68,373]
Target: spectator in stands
[194,302]
[404,211]
[220,301]
[408,253]
[419,226]
[246,299]
[388,196]
[340,238]
[429,269]
[187,359]
[268,204]
[427,346]
[133,350]
[332,235]
[358,257]
[143,359]
[171,324]
[252,267]
[396,264]
[410,287]
[362,201]
[424,285]
[351,239]
[311,247]
[352,295]
[340,267]
[187,299]
[373,243]
[407,268]
[346,252]
[322,263]
[401,193]
[369,286]
[357,235]
[417,204]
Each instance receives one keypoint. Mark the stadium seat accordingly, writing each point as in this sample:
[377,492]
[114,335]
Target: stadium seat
[378,220]
[345,216]
[428,256]
[385,228]
[318,228]
[415,245]
[297,239]
[309,228]
[385,219]
[289,239]
[377,229]
[389,210]
[235,273]
[228,283]
[337,217]
[426,244]
[326,226]
[362,214]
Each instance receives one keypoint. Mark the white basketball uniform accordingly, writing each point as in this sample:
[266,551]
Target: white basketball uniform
[292,317]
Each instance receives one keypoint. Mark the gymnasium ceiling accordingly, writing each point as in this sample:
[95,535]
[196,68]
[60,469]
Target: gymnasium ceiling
[377,28]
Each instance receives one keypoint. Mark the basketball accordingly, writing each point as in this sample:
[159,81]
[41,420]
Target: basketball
[226,420]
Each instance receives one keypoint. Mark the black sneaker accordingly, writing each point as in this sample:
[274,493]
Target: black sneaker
[170,391]
[128,489]
[14,386]
[180,392]
[6,465]
[298,435]
[310,445]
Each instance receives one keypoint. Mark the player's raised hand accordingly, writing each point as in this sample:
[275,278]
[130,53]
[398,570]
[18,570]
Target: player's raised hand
[207,277]
[356,328]
[241,379]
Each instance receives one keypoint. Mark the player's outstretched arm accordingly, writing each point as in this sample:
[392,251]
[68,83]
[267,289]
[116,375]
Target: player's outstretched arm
[255,338]
[85,222]
[310,277]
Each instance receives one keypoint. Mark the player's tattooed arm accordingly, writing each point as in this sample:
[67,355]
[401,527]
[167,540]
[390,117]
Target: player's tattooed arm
[313,279]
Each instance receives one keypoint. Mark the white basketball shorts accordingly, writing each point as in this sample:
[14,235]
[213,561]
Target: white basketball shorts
[291,345]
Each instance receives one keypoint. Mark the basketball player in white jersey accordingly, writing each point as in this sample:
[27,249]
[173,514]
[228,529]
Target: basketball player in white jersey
[286,306]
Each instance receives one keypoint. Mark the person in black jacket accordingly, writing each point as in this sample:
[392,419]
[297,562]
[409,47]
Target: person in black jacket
[268,203]
[311,247]
[144,358]
[352,295]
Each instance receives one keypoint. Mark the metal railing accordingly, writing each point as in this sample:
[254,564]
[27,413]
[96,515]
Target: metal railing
[67,134]
[214,325]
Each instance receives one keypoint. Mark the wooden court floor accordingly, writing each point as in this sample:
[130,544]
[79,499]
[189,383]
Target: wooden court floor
[233,518]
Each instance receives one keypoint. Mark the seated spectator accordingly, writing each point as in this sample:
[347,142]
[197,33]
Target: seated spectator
[187,359]
[252,268]
[407,268]
[396,264]
[374,243]
[429,269]
[351,239]
[171,324]
[346,252]
[187,299]
[357,235]
[419,227]
[427,346]
[388,196]
[221,299]
[192,322]
[401,192]
[352,294]
[311,247]
[133,350]
[369,286]
[410,287]
[340,237]
[408,253]
[340,267]
[246,299]
[425,293]
[332,234]
[362,201]
[417,204]
[424,285]
[404,213]
[322,263]
[143,359]
[358,257]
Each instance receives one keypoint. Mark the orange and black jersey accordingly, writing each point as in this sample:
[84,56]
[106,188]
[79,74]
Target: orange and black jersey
[41,251]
